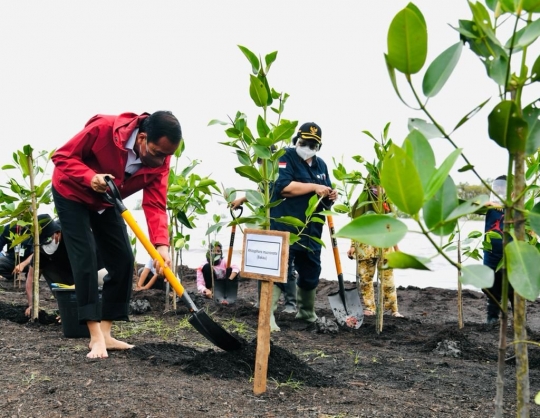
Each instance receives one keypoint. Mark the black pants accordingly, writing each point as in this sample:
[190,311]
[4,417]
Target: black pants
[207,275]
[496,290]
[82,230]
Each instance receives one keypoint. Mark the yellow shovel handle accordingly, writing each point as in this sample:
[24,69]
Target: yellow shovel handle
[173,280]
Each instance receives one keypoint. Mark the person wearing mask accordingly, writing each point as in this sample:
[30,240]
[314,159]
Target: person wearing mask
[302,175]
[54,263]
[134,151]
[215,268]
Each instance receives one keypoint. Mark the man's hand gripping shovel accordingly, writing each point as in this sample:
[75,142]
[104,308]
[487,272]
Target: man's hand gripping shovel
[199,319]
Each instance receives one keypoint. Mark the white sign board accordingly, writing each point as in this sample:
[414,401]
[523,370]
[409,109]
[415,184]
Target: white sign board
[265,255]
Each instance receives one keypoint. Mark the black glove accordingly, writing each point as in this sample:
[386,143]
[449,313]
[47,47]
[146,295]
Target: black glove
[228,272]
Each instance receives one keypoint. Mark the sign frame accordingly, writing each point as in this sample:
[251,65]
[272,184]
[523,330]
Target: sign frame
[255,236]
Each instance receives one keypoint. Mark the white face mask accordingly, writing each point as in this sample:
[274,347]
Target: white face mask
[305,152]
[499,187]
[51,247]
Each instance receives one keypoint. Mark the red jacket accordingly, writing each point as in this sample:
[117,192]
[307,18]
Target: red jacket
[100,148]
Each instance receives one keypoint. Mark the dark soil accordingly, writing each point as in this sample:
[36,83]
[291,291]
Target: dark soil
[408,370]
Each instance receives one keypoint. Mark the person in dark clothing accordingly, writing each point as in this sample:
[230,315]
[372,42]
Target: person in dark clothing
[134,151]
[10,263]
[301,176]
[492,257]
[54,262]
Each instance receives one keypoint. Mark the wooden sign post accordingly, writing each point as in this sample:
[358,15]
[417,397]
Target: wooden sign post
[265,257]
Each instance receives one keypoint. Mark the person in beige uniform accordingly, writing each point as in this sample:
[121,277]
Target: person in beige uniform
[369,258]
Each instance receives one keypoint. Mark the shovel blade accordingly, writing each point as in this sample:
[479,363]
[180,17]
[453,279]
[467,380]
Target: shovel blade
[225,291]
[214,332]
[349,312]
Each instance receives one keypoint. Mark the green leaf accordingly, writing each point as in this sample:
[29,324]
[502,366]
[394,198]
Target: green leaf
[525,36]
[532,115]
[427,129]
[217,122]
[399,260]
[262,152]
[507,128]
[339,208]
[23,162]
[497,69]
[8,167]
[380,231]
[522,261]
[418,148]
[392,74]
[262,128]
[437,209]
[250,173]
[535,71]
[243,157]
[469,206]
[257,91]
[269,59]
[284,131]
[531,6]
[255,197]
[469,115]
[477,275]
[182,217]
[440,70]
[440,176]
[534,218]
[407,41]
[290,220]
[252,58]
[401,180]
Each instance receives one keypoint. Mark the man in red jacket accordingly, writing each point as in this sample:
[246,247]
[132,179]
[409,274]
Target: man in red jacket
[134,150]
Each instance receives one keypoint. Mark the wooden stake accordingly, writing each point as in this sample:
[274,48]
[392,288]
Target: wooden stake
[263,338]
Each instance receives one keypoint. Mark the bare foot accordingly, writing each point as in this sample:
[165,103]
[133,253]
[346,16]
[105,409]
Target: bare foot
[114,344]
[397,315]
[368,312]
[98,349]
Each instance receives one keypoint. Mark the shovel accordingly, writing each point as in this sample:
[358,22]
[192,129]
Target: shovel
[225,291]
[345,303]
[199,319]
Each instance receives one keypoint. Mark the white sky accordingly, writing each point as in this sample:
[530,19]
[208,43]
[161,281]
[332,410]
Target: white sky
[65,61]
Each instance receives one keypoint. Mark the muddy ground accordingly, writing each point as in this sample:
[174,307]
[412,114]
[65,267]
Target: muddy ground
[422,365]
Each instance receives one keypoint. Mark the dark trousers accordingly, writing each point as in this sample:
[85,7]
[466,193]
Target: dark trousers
[207,275]
[496,290]
[82,230]
[308,266]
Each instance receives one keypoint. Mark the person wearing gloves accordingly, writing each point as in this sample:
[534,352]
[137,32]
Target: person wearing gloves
[134,151]
[302,174]
[214,268]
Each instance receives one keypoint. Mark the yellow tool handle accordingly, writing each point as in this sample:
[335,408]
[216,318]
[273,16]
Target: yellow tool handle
[173,280]
[334,244]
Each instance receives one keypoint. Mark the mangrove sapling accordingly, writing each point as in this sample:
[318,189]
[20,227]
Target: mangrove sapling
[416,186]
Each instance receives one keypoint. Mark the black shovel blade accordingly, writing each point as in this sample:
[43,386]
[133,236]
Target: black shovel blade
[214,332]
[349,314]
[225,291]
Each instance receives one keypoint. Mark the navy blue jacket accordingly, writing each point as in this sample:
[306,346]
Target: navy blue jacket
[293,168]
[494,223]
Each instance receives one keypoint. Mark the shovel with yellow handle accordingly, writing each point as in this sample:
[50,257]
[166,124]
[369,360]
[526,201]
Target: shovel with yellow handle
[199,319]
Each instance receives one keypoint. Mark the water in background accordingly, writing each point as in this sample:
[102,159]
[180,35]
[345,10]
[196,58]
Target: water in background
[442,274]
